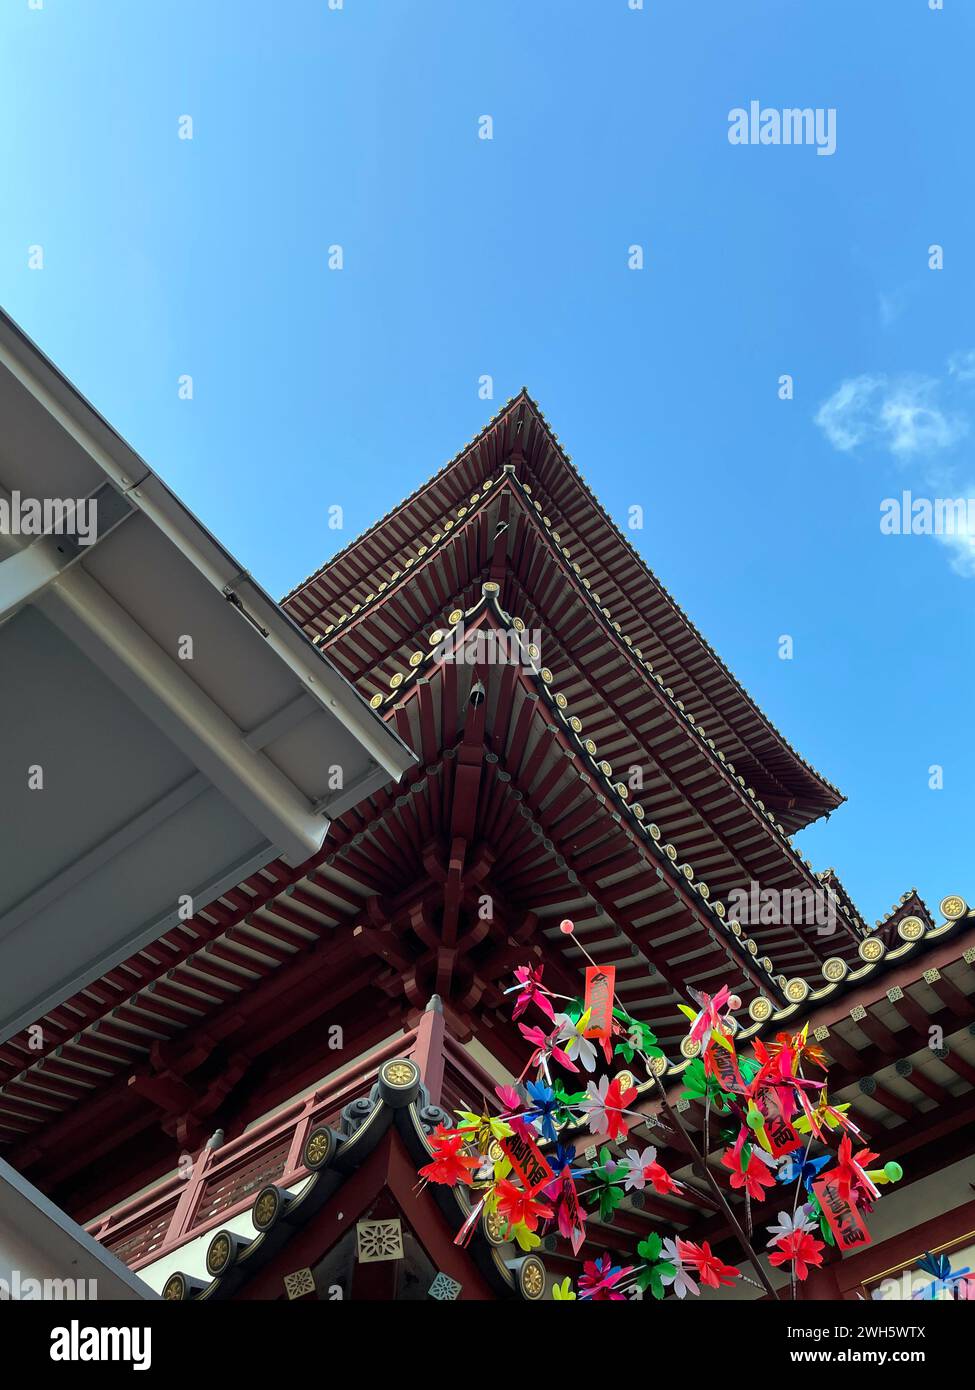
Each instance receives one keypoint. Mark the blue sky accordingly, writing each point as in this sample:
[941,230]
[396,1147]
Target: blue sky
[464,257]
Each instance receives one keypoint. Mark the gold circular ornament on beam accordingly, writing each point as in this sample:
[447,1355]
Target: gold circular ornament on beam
[376,701]
[416,658]
[690,1047]
[455,616]
[546,675]
[796,990]
[267,1206]
[490,587]
[219,1254]
[638,810]
[751,946]
[400,1074]
[319,1147]
[531,1279]
[953,907]
[653,830]
[174,1289]
[626,1080]
[872,949]
[396,680]
[720,909]
[622,790]
[575,724]
[835,969]
[760,1009]
[436,638]
[590,747]
[533,651]
[658,1065]
[671,853]
[494,1227]
[910,929]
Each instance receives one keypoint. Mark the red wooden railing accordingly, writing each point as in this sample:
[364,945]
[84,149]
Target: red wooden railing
[224,1182]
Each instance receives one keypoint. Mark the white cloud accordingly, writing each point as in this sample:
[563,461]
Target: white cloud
[962,365]
[846,418]
[902,416]
[961,546]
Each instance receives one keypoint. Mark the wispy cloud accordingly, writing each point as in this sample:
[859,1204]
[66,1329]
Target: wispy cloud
[961,546]
[962,365]
[902,415]
[915,420]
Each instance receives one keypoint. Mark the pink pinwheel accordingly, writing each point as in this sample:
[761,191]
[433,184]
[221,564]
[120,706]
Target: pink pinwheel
[532,988]
[546,1049]
[599,1278]
[511,1101]
[608,1100]
[708,1016]
[569,1215]
[681,1280]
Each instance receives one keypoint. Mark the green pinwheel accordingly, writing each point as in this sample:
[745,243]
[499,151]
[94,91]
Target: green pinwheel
[655,1270]
[607,1189]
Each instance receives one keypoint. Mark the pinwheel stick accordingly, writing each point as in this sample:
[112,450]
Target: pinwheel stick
[702,1168]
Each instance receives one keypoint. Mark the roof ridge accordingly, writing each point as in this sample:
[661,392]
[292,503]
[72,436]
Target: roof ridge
[363,535]
[665,592]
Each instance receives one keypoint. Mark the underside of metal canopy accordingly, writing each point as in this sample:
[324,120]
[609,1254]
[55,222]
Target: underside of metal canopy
[165,729]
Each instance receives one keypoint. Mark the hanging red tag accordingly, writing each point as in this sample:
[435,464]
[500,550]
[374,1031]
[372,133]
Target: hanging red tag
[570,1203]
[527,1160]
[722,1063]
[841,1213]
[600,984]
[782,1138]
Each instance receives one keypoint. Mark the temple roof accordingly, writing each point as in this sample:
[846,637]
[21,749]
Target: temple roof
[626,597]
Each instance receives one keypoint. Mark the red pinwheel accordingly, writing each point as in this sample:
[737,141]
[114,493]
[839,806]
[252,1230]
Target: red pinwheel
[532,988]
[608,1100]
[450,1164]
[599,1278]
[518,1206]
[711,1270]
[850,1169]
[754,1177]
[800,1249]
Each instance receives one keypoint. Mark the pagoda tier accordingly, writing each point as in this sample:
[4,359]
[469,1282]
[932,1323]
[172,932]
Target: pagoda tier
[563,557]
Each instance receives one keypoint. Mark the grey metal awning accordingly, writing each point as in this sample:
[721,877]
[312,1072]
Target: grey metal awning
[44,1254]
[139,770]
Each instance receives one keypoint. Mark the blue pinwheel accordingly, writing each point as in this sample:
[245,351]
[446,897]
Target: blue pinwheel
[796,1168]
[544,1106]
[944,1276]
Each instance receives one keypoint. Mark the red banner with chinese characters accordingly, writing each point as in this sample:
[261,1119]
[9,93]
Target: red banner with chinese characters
[600,984]
[782,1138]
[527,1160]
[841,1213]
